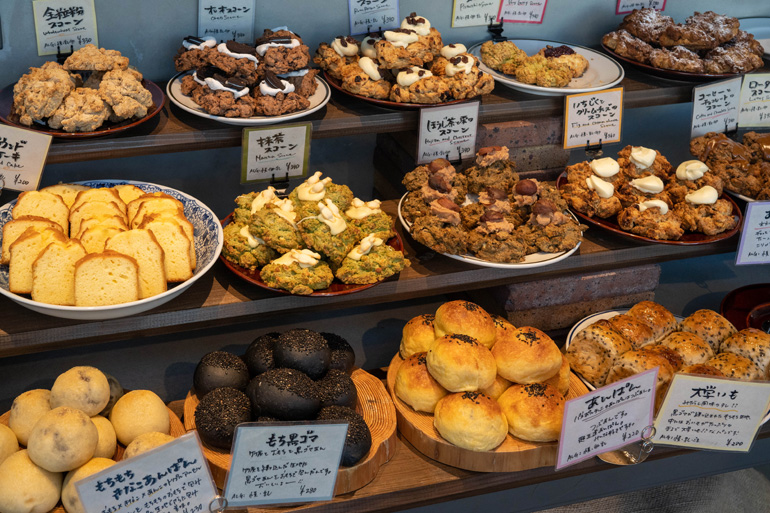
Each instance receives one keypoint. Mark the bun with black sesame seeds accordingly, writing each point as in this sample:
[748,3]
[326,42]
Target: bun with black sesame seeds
[657,317]
[751,343]
[470,420]
[460,364]
[593,350]
[638,361]
[416,387]
[534,412]
[710,326]
[465,318]
[693,349]
[418,335]
[527,355]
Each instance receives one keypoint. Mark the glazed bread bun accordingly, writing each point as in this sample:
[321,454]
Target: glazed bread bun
[417,335]
[736,366]
[415,386]
[752,343]
[702,369]
[710,326]
[638,361]
[657,317]
[560,380]
[527,355]
[502,327]
[465,318]
[637,332]
[497,388]
[594,349]
[670,355]
[689,346]
[470,420]
[460,364]
[534,412]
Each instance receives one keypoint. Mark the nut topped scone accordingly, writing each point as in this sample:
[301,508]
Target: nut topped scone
[307,195]
[371,261]
[368,217]
[243,249]
[493,168]
[329,233]
[298,272]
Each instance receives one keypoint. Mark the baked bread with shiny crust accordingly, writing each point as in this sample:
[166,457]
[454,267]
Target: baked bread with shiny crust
[710,326]
[416,387]
[693,349]
[751,343]
[657,317]
[534,412]
[638,361]
[637,332]
[527,355]
[465,318]
[497,388]
[736,366]
[593,351]
[560,380]
[701,369]
[460,364]
[470,420]
[417,335]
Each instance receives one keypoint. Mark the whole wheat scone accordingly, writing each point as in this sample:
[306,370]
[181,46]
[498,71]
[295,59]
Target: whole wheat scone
[124,92]
[83,110]
[90,58]
[41,91]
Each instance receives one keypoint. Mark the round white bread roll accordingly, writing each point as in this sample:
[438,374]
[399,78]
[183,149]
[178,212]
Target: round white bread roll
[26,410]
[8,442]
[417,335]
[460,364]
[69,495]
[465,318]
[415,386]
[63,439]
[534,412]
[27,488]
[470,420]
[146,442]
[527,355]
[139,412]
[84,388]
[108,441]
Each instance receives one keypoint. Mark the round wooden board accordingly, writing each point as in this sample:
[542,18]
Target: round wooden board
[378,411]
[176,430]
[512,455]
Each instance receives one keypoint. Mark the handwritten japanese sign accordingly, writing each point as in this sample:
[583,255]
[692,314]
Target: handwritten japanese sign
[281,152]
[173,477]
[448,132]
[593,117]
[65,24]
[755,100]
[712,413]
[227,19]
[366,15]
[607,418]
[755,236]
[715,107]
[626,6]
[22,157]
[522,11]
[469,13]
[284,463]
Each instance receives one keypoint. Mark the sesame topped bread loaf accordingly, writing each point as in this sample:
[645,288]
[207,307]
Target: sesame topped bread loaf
[107,278]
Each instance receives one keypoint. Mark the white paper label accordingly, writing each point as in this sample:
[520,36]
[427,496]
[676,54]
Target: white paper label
[755,100]
[22,157]
[373,15]
[607,418]
[755,236]
[590,118]
[280,463]
[712,413]
[448,132]
[275,152]
[227,20]
[522,11]
[715,107]
[64,24]
[172,477]
[626,6]
[469,13]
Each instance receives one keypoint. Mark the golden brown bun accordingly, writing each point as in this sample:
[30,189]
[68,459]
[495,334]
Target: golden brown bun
[710,326]
[561,379]
[637,332]
[460,364]
[465,318]
[702,370]
[470,420]
[593,351]
[689,346]
[637,361]
[752,343]
[502,327]
[497,388]
[657,317]
[416,387]
[736,366]
[417,335]
[527,355]
[673,358]
[534,412]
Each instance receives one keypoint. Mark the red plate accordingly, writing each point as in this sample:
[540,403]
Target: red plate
[688,239]
[6,103]
[337,288]
[752,300]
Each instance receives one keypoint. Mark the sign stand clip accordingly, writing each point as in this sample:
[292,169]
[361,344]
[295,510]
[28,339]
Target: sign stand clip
[61,56]
[217,504]
[280,185]
[628,455]
[595,150]
[496,29]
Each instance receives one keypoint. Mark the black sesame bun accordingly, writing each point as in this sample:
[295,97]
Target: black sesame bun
[219,369]
[304,350]
[218,413]
[337,389]
[359,439]
[342,357]
[285,394]
[259,354]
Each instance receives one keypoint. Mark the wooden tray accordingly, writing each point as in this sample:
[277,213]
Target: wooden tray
[378,412]
[512,455]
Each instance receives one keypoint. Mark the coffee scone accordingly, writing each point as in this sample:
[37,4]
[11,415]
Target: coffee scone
[470,420]
[460,364]
[534,412]
[527,356]
[416,387]
[465,318]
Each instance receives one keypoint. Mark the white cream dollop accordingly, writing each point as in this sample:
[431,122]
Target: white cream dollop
[453,50]
[222,48]
[411,75]
[649,184]
[691,170]
[295,73]
[421,25]
[367,47]
[642,157]
[285,209]
[662,205]
[263,198]
[344,48]
[605,167]
[304,257]
[216,85]
[370,68]
[401,39]
[262,49]
[365,246]
[266,90]
[252,241]
[459,64]
[313,189]
[706,195]
[330,216]
[603,189]
[208,42]
[360,209]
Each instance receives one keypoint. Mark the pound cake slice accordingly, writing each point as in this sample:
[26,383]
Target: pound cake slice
[151,206]
[15,227]
[67,191]
[104,194]
[177,219]
[53,272]
[92,209]
[42,204]
[101,221]
[177,249]
[135,205]
[107,278]
[95,238]
[144,248]
[24,251]
[128,192]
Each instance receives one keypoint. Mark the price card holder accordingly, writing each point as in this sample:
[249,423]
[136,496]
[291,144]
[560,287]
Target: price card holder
[470,13]
[522,11]
[172,477]
[754,247]
[284,463]
[712,413]
[227,19]
[275,153]
[607,418]
[626,6]
[447,131]
[64,24]
[374,14]
[715,107]
[755,101]
[591,118]
[22,158]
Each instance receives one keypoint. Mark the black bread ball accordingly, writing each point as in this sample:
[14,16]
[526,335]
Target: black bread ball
[259,354]
[304,350]
[343,357]
[220,369]
[218,413]
[337,389]
[359,439]
[285,394]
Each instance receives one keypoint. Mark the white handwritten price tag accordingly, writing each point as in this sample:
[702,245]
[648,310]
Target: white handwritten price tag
[469,13]
[607,418]
[448,132]
[275,152]
[715,107]
[755,236]
[593,117]
[172,477]
[373,15]
[22,157]
[64,23]
[712,413]
[227,19]
[280,463]
[522,11]
[755,100]
[626,6]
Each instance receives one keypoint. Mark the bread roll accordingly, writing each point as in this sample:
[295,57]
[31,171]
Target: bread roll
[146,442]
[460,364]
[415,386]
[735,366]
[27,488]
[502,327]
[673,358]
[594,349]
[635,362]
[752,343]
[689,346]
[527,355]
[26,410]
[534,412]
[702,369]
[560,380]
[108,441]
[83,388]
[470,420]
[63,439]
[637,332]
[138,412]
[465,318]
[8,442]
[69,495]
[417,335]
[497,388]
[657,317]
[710,326]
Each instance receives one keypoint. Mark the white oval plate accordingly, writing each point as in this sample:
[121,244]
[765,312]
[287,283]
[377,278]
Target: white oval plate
[760,29]
[208,244]
[603,72]
[534,260]
[174,90]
